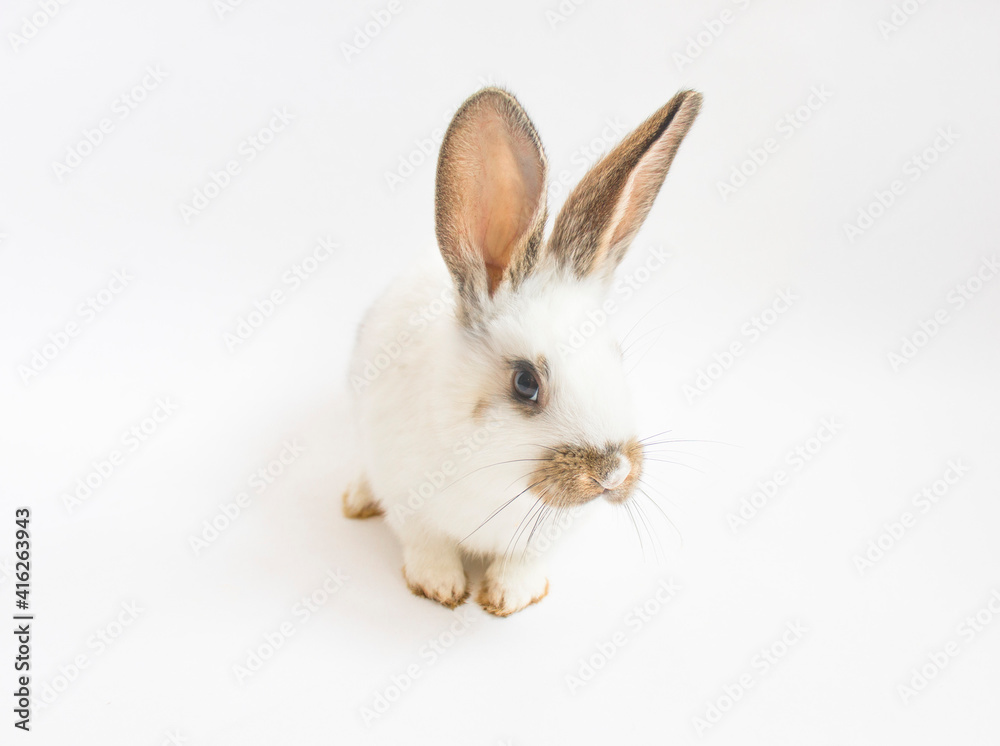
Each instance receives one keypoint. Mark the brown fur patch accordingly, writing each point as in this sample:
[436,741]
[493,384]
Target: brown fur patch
[481,408]
[571,475]
[359,502]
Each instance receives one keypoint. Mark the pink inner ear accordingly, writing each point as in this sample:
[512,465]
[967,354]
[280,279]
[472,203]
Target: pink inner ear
[503,188]
[490,200]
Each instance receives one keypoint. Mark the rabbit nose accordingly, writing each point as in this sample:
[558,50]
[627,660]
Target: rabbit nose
[619,475]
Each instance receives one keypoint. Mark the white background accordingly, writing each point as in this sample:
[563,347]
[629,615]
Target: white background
[170,673]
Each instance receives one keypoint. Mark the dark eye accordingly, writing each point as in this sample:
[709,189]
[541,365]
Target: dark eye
[526,385]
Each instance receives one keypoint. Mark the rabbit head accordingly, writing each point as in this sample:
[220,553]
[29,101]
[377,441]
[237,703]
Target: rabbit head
[520,298]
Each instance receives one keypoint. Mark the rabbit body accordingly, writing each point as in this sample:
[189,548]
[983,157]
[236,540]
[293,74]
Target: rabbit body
[479,420]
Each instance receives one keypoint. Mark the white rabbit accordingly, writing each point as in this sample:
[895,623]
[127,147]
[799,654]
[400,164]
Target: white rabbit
[477,421]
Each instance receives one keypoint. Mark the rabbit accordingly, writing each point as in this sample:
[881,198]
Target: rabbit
[476,419]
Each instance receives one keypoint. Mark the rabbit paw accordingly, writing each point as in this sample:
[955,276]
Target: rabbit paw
[507,590]
[359,502]
[440,578]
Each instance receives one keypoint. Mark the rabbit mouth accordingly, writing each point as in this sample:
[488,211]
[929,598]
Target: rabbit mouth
[574,475]
[617,496]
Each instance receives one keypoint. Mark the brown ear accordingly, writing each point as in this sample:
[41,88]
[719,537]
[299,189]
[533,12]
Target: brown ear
[602,215]
[490,198]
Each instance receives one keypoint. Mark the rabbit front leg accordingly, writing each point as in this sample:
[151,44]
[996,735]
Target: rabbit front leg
[432,565]
[512,584]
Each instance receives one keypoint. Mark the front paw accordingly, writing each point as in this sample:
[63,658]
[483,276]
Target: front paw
[505,592]
[442,582]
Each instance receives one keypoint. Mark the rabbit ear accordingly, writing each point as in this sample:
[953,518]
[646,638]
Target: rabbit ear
[602,215]
[490,198]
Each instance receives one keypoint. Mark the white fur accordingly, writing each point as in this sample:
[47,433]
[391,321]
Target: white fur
[418,432]
[448,449]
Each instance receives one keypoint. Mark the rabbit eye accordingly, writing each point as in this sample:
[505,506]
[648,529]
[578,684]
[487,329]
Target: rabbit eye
[526,385]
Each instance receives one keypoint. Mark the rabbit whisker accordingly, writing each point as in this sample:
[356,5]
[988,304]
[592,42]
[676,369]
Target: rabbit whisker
[631,517]
[512,544]
[544,513]
[675,463]
[657,435]
[632,345]
[651,309]
[672,524]
[643,355]
[489,466]
[495,512]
